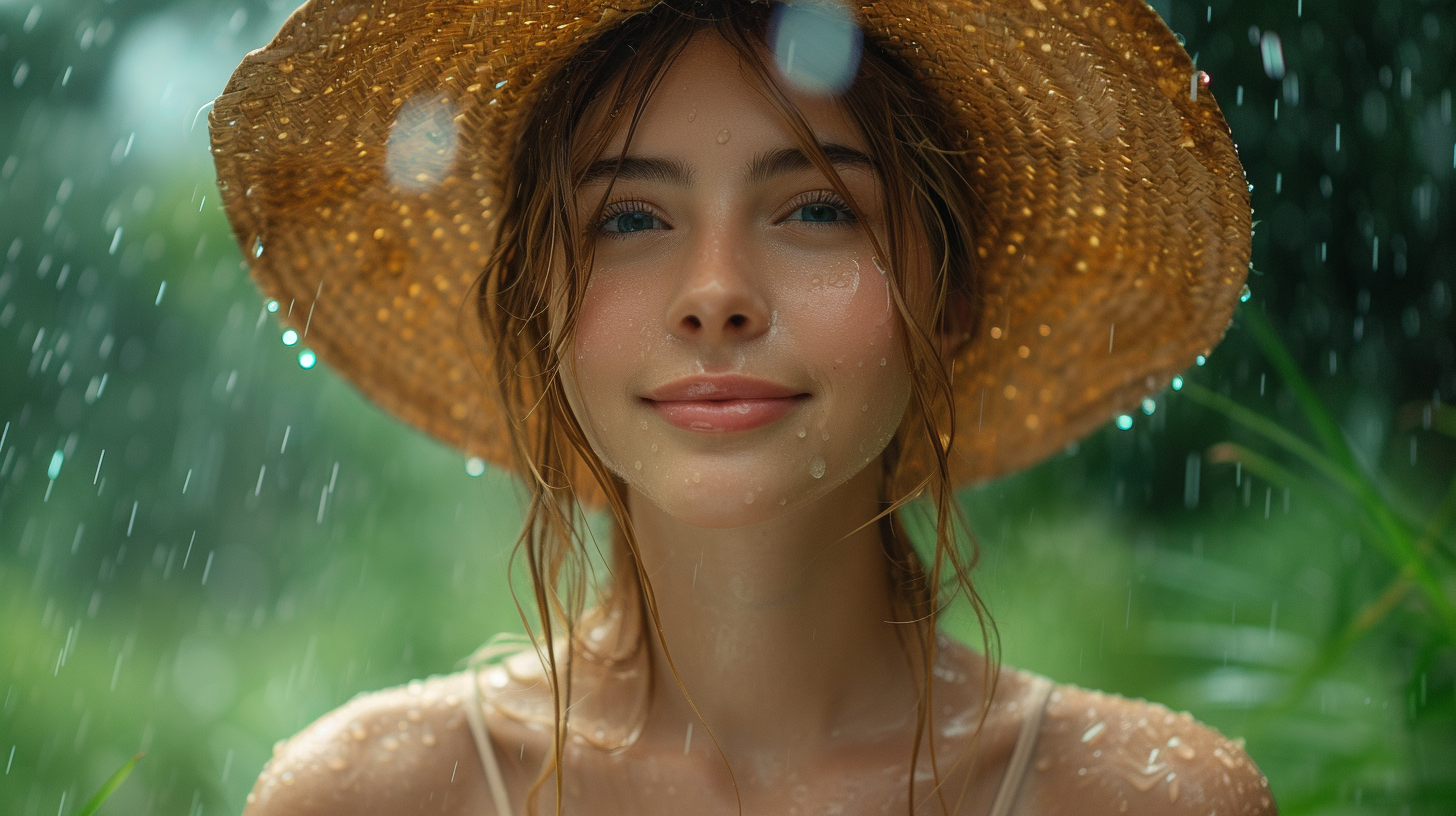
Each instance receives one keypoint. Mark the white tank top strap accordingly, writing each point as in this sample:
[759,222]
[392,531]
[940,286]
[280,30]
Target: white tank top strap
[475,713]
[1033,709]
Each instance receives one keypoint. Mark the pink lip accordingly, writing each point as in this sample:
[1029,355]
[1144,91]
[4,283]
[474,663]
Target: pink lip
[722,404]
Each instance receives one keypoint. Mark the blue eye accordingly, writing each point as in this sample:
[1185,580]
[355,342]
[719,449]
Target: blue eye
[631,221]
[822,212]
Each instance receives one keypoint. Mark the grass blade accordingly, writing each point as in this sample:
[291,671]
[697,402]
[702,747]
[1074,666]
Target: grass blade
[94,803]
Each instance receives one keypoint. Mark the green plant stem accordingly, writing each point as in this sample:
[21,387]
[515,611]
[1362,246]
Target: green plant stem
[109,787]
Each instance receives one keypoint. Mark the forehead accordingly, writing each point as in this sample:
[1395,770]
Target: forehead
[707,104]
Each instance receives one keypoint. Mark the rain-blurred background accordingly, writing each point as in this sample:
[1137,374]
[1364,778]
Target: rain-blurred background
[206,541]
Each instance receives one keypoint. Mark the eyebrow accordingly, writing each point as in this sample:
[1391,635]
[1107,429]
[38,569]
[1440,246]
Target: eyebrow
[763,167]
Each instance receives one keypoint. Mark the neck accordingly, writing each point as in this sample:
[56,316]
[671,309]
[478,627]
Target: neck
[781,633]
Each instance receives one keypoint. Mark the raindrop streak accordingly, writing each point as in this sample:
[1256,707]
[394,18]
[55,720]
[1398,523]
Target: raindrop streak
[1272,52]
[133,518]
[99,460]
[816,46]
[115,241]
[422,143]
[57,459]
[207,568]
[160,291]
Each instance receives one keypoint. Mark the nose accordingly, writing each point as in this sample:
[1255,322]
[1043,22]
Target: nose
[719,300]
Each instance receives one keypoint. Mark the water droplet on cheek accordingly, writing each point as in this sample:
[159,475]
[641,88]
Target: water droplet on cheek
[692,114]
[637,465]
[697,477]
[803,433]
[723,136]
[337,763]
[816,467]
[883,361]
[748,497]
[390,743]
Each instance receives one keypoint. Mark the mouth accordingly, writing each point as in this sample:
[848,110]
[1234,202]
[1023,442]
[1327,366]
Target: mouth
[723,404]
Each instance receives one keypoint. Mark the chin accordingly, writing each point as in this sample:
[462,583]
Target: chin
[721,501]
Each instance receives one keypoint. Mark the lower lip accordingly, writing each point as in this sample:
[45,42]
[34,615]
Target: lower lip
[724,416]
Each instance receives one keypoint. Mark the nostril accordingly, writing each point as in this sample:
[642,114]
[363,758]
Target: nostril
[693,322]
[737,321]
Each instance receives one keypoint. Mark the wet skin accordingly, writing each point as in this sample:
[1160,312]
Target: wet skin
[727,271]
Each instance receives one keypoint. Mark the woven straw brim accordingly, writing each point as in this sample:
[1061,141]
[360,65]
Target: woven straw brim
[1112,246]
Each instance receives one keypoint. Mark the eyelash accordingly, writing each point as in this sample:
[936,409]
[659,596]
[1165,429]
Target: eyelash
[826,197]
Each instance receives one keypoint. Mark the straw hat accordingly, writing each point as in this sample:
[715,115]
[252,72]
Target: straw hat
[358,156]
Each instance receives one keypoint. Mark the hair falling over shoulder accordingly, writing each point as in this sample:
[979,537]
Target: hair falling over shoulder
[542,257]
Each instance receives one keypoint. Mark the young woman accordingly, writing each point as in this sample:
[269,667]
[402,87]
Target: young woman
[751,278]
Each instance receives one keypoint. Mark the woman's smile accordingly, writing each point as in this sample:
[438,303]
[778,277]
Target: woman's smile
[723,404]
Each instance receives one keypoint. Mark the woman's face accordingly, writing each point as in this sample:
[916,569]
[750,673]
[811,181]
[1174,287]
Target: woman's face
[737,354]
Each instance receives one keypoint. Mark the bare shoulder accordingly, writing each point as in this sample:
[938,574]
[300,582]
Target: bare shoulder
[1105,754]
[404,749]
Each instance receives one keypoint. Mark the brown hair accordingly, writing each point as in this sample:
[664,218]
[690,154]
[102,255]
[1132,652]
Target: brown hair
[612,79]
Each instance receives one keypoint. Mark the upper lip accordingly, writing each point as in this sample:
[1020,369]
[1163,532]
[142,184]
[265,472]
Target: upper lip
[701,389]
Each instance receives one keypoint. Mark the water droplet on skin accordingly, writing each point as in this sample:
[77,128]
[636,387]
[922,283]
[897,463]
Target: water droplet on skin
[654,447]
[883,361]
[390,743]
[864,409]
[816,468]
[637,465]
[286,778]
[825,434]
[748,497]
[356,730]
[1181,749]
[784,501]
[1245,294]
[257,247]
[723,136]
[1043,764]
[1172,787]
[413,715]
[697,477]
[1094,732]
[337,763]
[692,114]
[428,738]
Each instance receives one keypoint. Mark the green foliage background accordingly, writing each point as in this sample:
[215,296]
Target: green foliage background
[204,546]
